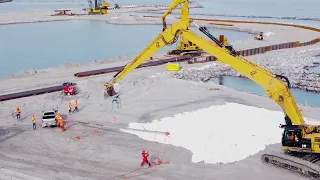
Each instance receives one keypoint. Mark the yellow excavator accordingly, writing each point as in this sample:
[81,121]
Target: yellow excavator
[185,46]
[300,141]
[98,7]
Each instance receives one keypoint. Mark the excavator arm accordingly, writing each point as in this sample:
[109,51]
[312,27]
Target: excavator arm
[168,37]
[174,5]
[275,88]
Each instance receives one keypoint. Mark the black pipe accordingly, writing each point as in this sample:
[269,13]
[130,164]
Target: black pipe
[32,92]
[229,47]
[118,69]
[281,77]
[288,120]
[205,31]
[285,78]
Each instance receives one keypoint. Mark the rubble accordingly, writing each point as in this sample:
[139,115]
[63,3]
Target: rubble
[295,66]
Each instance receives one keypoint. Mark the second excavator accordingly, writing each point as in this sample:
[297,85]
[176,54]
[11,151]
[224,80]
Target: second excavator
[99,7]
[185,46]
[300,141]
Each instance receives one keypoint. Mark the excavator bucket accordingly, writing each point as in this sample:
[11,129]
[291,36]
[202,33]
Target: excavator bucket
[109,92]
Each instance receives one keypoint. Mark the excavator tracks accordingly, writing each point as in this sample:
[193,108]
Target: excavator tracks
[304,164]
[185,53]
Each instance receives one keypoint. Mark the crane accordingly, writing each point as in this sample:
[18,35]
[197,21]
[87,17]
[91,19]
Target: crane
[299,139]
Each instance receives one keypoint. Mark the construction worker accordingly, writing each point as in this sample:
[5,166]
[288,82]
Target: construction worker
[117,100]
[145,158]
[58,116]
[61,124]
[18,113]
[34,122]
[292,136]
[70,108]
[76,106]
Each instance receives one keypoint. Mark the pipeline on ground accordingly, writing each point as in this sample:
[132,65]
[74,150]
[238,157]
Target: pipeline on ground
[32,92]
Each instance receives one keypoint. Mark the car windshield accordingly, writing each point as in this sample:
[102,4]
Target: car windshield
[48,117]
[48,113]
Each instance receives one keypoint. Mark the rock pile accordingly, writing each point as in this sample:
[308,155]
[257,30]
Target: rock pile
[295,66]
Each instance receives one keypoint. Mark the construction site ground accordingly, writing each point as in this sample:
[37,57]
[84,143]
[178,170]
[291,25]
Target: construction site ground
[90,151]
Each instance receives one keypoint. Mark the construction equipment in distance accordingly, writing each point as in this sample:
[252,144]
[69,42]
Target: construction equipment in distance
[300,141]
[184,47]
[116,6]
[62,12]
[259,37]
[99,7]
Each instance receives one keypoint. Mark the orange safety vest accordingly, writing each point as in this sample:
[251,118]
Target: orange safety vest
[61,122]
[33,119]
[76,103]
[17,111]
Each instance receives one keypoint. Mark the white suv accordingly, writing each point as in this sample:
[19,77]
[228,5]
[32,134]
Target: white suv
[49,118]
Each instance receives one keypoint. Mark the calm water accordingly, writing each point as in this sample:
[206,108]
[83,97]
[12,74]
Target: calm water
[306,8]
[51,44]
[246,85]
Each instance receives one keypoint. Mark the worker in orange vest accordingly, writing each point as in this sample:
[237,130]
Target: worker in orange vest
[76,106]
[58,116]
[34,122]
[69,107]
[18,113]
[61,124]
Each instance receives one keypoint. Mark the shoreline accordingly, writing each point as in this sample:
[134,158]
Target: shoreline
[279,34]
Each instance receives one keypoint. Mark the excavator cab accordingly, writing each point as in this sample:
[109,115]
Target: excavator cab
[292,139]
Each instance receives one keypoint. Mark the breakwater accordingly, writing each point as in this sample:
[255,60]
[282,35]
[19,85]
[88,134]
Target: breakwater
[295,66]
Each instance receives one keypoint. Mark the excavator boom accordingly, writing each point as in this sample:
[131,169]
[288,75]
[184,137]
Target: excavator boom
[168,37]
[276,89]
